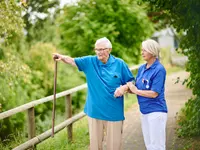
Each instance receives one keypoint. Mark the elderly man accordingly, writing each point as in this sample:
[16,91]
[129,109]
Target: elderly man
[104,73]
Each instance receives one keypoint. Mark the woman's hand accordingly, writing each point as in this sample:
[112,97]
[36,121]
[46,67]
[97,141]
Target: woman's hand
[132,87]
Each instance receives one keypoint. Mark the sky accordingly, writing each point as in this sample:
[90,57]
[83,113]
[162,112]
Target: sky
[63,2]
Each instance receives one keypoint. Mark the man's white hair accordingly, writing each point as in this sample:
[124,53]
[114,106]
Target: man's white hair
[105,41]
[152,47]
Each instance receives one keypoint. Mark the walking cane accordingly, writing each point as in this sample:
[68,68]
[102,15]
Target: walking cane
[54,97]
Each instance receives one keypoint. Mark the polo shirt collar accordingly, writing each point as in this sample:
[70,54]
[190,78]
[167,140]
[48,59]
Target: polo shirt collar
[154,64]
[111,60]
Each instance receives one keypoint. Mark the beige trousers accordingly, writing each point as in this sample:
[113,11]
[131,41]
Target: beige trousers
[105,131]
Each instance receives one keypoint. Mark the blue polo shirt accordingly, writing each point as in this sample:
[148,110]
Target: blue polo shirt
[102,80]
[153,79]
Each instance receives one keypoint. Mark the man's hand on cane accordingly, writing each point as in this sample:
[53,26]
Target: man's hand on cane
[57,57]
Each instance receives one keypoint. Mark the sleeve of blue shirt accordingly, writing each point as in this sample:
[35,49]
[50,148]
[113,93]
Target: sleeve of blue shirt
[139,70]
[158,81]
[82,62]
[126,74]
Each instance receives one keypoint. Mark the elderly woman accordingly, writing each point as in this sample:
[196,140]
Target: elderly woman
[150,90]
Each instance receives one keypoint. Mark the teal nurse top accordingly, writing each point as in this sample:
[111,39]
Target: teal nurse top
[102,81]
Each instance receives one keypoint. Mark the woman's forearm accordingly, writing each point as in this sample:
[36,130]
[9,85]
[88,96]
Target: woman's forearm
[146,93]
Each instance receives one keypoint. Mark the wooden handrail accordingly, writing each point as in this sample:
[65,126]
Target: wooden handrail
[135,67]
[39,101]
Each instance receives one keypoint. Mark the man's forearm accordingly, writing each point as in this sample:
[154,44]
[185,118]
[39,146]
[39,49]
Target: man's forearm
[68,60]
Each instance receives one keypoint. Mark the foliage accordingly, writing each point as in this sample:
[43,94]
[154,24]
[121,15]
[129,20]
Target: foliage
[47,33]
[123,22]
[23,76]
[13,141]
[14,76]
[40,61]
[186,143]
[189,120]
[35,15]
[184,16]
[13,71]
[11,22]
[80,136]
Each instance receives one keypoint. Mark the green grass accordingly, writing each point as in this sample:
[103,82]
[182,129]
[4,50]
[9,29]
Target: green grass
[187,143]
[60,141]
[130,99]
[15,141]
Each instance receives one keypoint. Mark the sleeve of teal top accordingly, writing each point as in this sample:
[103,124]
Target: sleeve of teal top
[158,81]
[82,62]
[126,74]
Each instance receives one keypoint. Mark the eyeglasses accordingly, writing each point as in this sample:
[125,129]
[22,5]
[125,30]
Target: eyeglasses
[100,49]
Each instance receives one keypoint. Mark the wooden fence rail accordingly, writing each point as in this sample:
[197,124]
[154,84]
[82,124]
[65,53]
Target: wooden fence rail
[40,101]
[30,108]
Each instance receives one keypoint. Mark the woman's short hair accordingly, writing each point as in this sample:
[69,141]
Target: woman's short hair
[105,41]
[152,47]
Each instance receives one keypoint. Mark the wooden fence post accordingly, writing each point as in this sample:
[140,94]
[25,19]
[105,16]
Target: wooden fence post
[68,110]
[31,124]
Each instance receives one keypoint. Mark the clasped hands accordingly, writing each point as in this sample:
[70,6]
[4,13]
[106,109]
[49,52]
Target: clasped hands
[128,87]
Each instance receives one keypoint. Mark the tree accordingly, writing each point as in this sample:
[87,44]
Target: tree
[18,82]
[37,12]
[14,79]
[11,22]
[123,22]
[184,16]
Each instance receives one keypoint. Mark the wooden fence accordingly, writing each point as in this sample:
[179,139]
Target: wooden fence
[30,108]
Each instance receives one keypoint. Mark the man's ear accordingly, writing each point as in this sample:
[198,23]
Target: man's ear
[110,49]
